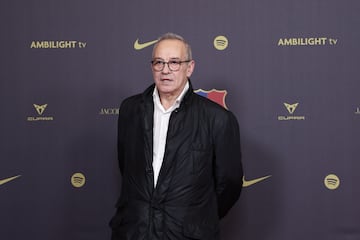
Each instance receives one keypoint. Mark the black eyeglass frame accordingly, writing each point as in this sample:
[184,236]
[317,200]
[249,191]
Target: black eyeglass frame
[153,62]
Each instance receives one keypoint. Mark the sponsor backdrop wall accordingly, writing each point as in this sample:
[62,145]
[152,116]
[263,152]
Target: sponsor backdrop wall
[288,69]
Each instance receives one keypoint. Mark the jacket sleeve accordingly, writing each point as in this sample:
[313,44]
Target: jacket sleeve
[121,134]
[227,164]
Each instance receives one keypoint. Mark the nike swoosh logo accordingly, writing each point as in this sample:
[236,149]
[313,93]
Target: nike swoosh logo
[139,46]
[253,181]
[6,180]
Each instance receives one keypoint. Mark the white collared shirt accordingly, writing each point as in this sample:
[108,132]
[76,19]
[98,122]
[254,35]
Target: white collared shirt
[161,124]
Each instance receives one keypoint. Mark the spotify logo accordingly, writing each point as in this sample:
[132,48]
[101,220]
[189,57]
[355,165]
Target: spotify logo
[332,181]
[78,180]
[221,43]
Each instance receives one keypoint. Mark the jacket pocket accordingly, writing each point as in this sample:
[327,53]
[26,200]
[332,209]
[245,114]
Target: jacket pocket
[201,157]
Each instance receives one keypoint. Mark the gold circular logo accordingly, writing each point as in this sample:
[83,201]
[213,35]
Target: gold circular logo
[78,180]
[332,181]
[221,43]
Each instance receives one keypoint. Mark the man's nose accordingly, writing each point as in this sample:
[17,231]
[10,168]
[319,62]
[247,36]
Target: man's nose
[166,68]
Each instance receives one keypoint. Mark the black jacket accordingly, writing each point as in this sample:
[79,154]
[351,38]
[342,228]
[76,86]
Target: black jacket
[200,178]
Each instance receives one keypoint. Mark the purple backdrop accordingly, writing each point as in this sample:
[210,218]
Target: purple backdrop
[290,72]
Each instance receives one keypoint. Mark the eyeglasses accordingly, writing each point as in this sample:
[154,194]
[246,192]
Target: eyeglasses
[173,65]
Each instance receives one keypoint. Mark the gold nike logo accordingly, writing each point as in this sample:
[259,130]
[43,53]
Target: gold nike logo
[6,180]
[139,46]
[253,181]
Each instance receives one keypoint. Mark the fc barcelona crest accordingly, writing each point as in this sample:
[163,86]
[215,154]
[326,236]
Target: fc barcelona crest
[214,95]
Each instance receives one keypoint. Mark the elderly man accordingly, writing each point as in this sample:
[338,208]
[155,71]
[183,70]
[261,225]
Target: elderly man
[179,155]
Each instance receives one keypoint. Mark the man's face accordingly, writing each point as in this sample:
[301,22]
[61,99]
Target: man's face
[170,82]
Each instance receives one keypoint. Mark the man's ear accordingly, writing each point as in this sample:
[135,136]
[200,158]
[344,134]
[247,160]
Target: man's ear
[190,68]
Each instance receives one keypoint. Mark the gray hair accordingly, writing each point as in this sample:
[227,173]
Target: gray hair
[173,36]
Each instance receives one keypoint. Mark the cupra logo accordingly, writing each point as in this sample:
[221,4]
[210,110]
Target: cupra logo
[40,108]
[248,183]
[291,107]
[139,46]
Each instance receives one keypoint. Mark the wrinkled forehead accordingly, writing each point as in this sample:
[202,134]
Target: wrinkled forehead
[169,49]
